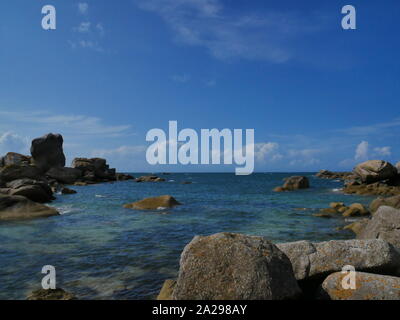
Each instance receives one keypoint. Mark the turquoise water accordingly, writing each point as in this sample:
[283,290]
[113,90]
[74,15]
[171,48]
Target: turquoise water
[103,251]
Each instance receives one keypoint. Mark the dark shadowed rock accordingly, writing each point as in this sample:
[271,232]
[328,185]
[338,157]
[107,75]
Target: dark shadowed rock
[228,266]
[167,290]
[326,174]
[385,224]
[47,152]
[56,294]
[66,190]
[124,177]
[294,183]
[393,202]
[94,169]
[375,170]
[316,260]
[368,287]
[64,175]
[33,190]
[14,172]
[16,159]
[21,208]
[153,203]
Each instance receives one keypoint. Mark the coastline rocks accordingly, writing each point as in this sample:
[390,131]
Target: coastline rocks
[64,175]
[51,294]
[378,189]
[317,260]
[356,210]
[149,179]
[326,174]
[375,170]
[94,169]
[47,151]
[14,172]
[17,159]
[123,177]
[228,266]
[153,203]
[21,208]
[385,225]
[393,202]
[66,190]
[357,227]
[167,290]
[37,191]
[368,287]
[294,183]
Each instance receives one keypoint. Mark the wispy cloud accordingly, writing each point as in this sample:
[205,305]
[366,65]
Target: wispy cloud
[371,129]
[362,151]
[84,27]
[83,8]
[12,142]
[206,23]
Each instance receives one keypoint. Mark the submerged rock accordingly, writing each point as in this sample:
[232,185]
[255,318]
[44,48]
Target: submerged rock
[21,208]
[228,266]
[153,203]
[356,210]
[375,170]
[385,225]
[66,190]
[367,287]
[317,260]
[150,179]
[47,151]
[56,294]
[167,290]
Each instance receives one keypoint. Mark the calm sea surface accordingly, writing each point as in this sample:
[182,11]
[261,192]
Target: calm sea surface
[103,251]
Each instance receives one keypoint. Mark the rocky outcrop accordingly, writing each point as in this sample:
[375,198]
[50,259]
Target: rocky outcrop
[15,172]
[393,202]
[94,169]
[377,189]
[356,210]
[56,294]
[47,152]
[21,208]
[317,260]
[67,191]
[64,175]
[16,159]
[294,183]
[38,191]
[150,179]
[155,203]
[375,170]
[326,174]
[367,287]
[339,208]
[385,225]
[123,177]
[229,266]
[167,290]
[357,226]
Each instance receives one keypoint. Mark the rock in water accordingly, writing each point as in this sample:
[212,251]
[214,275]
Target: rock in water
[153,203]
[167,290]
[393,202]
[56,294]
[294,183]
[228,266]
[150,179]
[355,210]
[34,190]
[367,287]
[64,175]
[14,172]
[385,224]
[375,170]
[21,208]
[47,152]
[357,226]
[317,260]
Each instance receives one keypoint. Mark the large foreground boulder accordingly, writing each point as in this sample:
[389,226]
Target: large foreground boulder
[47,152]
[367,287]
[38,191]
[167,290]
[294,183]
[64,175]
[229,266]
[162,202]
[385,225]
[393,202]
[51,294]
[375,170]
[21,208]
[317,260]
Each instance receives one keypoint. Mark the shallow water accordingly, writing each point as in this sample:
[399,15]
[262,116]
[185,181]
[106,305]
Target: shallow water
[103,251]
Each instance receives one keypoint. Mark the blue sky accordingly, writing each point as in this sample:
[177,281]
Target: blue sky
[317,96]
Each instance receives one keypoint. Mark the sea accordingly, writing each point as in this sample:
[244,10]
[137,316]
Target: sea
[101,250]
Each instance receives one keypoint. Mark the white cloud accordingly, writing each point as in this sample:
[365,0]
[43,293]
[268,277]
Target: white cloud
[266,152]
[362,151]
[84,27]
[11,142]
[83,8]
[383,151]
[206,23]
